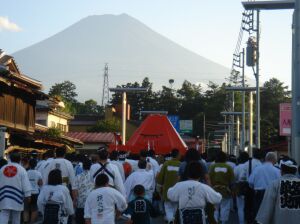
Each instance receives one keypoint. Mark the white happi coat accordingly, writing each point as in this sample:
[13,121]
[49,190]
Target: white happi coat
[14,186]
[59,194]
[142,177]
[193,194]
[120,167]
[44,170]
[66,168]
[101,204]
[281,203]
[115,182]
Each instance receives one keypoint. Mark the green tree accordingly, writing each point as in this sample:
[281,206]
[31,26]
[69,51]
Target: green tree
[274,93]
[66,90]
[89,107]
[109,125]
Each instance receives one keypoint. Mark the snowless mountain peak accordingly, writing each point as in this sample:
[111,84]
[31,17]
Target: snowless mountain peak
[131,49]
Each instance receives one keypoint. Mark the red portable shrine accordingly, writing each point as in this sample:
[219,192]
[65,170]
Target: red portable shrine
[157,133]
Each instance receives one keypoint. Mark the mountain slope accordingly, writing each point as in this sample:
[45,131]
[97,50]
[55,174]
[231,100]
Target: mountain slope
[131,49]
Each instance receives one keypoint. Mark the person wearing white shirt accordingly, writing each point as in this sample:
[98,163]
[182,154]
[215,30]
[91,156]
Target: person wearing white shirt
[241,182]
[114,159]
[154,164]
[103,203]
[44,166]
[54,200]
[192,196]
[112,171]
[35,178]
[84,185]
[15,188]
[140,177]
[262,177]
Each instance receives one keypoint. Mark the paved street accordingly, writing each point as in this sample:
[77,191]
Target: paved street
[233,220]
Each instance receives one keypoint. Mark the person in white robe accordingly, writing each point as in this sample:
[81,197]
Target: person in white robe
[192,196]
[55,193]
[281,202]
[14,189]
[112,171]
[103,203]
[140,177]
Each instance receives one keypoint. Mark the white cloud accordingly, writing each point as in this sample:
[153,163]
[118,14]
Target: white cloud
[5,24]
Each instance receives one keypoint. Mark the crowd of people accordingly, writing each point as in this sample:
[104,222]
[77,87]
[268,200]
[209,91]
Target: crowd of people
[185,189]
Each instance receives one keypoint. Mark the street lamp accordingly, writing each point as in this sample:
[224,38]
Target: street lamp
[124,91]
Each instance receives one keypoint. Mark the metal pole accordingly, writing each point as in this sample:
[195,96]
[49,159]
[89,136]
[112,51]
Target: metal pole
[237,135]
[226,141]
[257,84]
[250,124]
[295,153]
[243,103]
[232,126]
[124,117]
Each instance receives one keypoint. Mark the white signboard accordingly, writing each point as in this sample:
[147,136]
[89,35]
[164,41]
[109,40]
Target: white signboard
[186,126]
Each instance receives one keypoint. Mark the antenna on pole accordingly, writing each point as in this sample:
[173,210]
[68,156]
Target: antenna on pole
[105,89]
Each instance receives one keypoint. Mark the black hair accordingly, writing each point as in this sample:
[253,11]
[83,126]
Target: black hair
[175,153]
[192,155]
[139,190]
[114,155]
[32,163]
[61,151]
[257,153]
[151,153]
[221,157]
[101,180]
[103,154]
[49,153]
[244,157]
[54,177]
[143,153]
[3,162]
[194,170]
[70,157]
[15,157]
[86,164]
[142,164]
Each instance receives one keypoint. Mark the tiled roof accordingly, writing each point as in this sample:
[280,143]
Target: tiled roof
[93,137]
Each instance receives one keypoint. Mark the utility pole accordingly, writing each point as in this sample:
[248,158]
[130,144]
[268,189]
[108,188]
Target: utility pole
[105,88]
[257,82]
[250,125]
[295,152]
[243,102]
[237,135]
[124,92]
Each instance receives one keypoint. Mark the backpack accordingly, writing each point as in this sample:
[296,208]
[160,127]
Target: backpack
[52,213]
[103,169]
[192,216]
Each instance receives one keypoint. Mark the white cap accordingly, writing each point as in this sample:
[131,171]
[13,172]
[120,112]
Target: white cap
[288,163]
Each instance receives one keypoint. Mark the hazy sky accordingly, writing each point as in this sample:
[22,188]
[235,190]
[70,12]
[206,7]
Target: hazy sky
[209,28]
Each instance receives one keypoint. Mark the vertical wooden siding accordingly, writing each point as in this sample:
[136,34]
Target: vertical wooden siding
[17,109]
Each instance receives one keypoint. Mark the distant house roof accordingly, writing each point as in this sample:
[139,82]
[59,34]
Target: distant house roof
[85,119]
[93,137]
